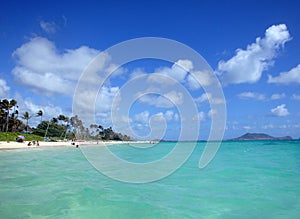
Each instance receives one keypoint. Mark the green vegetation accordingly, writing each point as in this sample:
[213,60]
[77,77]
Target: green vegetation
[58,128]
[11,136]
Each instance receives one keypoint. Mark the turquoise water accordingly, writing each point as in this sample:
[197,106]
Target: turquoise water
[259,179]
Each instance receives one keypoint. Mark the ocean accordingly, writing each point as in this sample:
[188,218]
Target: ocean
[246,179]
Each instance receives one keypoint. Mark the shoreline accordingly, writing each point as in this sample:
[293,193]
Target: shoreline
[44,144]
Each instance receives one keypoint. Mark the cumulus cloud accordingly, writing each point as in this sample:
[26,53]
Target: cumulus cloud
[280,110]
[292,76]
[209,97]
[49,110]
[167,100]
[44,69]
[175,97]
[201,116]
[47,71]
[4,89]
[144,117]
[277,96]
[181,71]
[198,79]
[168,116]
[202,98]
[89,103]
[48,27]
[171,116]
[251,95]
[105,98]
[248,65]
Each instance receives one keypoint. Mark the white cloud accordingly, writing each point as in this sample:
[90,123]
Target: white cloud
[296,97]
[292,76]
[4,89]
[90,103]
[49,110]
[277,96]
[48,27]
[105,98]
[44,69]
[47,71]
[202,98]
[181,71]
[158,117]
[198,79]
[248,65]
[209,97]
[280,111]
[201,116]
[187,65]
[178,71]
[212,112]
[168,116]
[142,117]
[175,97]
[155,100]
[167,100]
[251,95]
[171,116]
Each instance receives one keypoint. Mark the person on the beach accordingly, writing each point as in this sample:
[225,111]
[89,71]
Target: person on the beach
[29,143]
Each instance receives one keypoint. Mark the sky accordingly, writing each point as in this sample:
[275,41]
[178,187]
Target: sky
[251,48]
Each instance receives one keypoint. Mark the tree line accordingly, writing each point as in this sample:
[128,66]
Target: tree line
[61,127]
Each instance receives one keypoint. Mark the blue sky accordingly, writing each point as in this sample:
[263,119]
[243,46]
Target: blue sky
[252,46]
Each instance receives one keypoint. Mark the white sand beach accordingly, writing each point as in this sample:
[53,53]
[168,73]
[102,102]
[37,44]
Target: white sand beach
[24,145]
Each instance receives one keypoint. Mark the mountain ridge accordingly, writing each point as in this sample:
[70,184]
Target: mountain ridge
[259,136]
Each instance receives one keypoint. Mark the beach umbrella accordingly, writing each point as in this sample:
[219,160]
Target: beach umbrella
[22,137]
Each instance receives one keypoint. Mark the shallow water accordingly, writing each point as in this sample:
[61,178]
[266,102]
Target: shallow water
[256,179]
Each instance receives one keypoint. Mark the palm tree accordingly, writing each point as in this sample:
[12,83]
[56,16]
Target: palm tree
[54,120]
[26,116]
[7,105]
[14,114]
[47,129]
[67,120]
[40,113]
[100,130]
[61,118]
[2,118]
[77,124]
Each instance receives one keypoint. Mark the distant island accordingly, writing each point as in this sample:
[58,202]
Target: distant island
[259,136]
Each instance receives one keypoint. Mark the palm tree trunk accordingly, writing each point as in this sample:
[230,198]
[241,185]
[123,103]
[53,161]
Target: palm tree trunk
[47,130]
[66,133]
[7,120]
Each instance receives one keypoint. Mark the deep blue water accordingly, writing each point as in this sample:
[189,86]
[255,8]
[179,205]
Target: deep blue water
[255,179]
